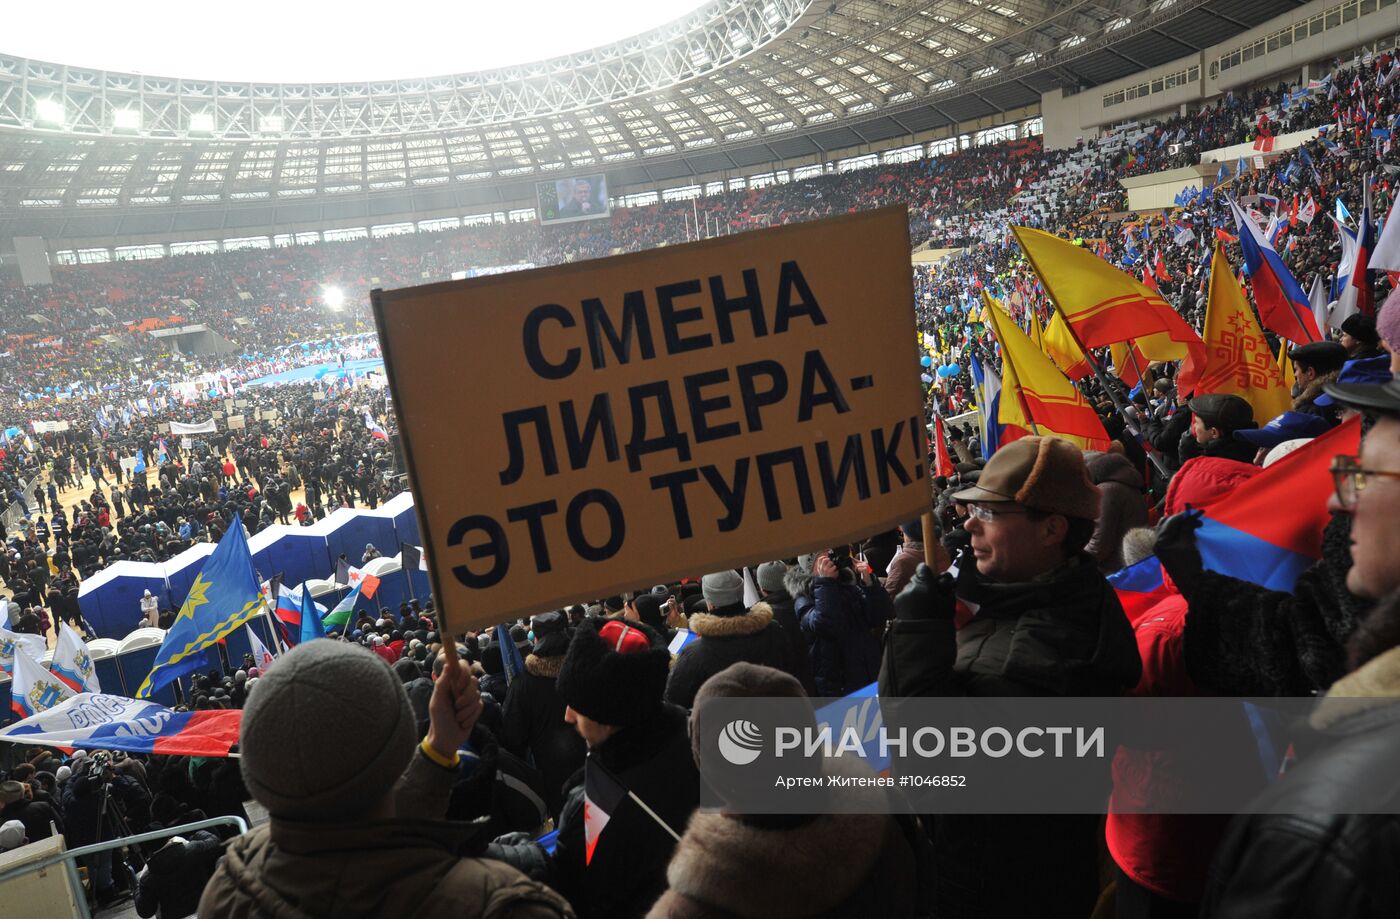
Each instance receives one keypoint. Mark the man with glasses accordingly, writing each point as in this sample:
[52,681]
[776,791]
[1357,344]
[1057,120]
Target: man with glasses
[1325,838]
[1023,612]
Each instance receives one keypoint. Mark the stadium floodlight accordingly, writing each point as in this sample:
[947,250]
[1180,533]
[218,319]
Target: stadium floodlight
[202,122]
[333,296]
[272,124]
[49,111]
[127,119]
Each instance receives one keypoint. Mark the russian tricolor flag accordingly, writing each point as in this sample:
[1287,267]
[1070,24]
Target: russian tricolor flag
[374,429]
[1283,306]
[96,721]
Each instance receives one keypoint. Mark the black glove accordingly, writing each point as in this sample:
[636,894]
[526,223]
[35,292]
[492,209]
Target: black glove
[1177,551]
[926,597]
[522,852]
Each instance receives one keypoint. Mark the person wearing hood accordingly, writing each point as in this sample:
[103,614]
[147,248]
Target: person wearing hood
[1122,506]
[361,833]
[418,687]
[727,632]
[772,587]
[1325,838]
[174,877]
[150,610]
[1037,619]
[533,726]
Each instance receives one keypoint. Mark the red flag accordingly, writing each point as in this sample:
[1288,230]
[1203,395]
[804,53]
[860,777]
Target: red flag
[1149,280]
[943,463]
[1161,269]
[1225,237]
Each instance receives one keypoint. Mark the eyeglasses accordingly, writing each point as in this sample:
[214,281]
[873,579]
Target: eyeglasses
[1349,478]
[988,514]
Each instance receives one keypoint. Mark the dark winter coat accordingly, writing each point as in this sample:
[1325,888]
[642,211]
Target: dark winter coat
[785,614]
[628,870]
[1121,507]
[1325,839]
[404,866]
[82,803]
[840,623]
[175,876]
[533,727]
[36,817]
[726,636]
[1062,635]
[1245,640]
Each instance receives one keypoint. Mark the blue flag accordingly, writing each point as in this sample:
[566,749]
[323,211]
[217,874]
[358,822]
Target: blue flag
[1223,174]
[311,626]
[511,660]
[223,598]
[140,461]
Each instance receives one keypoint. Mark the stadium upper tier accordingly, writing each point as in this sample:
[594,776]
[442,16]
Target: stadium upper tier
[732,84]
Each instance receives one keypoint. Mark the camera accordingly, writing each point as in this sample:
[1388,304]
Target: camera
[845,565]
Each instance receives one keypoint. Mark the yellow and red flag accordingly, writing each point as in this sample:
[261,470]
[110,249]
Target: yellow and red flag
[1035,396]
[1238,358]
[1104,305]
[1059,343]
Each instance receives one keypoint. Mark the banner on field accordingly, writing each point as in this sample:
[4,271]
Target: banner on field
[204,427]
[682,410]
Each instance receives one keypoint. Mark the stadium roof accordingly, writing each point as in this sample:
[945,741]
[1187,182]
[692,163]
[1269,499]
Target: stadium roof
[731,85]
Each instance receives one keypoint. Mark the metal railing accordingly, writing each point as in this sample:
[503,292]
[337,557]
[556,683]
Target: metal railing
[70,857]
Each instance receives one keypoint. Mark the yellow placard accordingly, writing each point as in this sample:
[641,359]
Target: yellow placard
[577,431]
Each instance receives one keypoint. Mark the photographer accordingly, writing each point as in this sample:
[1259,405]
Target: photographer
[840,607]
[96,804]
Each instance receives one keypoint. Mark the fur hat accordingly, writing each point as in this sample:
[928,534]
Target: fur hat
[770,576]
[723,588]
[1044,474]
[615,672]
[1362,328]
[327,735]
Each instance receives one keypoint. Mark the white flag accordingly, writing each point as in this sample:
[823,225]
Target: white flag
[10,642]
[1387,254]
[750,589]
[1317,299]
[34,689]
[263,658]
[71,662]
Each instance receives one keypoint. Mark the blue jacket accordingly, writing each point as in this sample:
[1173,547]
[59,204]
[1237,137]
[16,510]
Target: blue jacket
[841,624]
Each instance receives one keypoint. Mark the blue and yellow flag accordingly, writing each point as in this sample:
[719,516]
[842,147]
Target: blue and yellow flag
[223,597]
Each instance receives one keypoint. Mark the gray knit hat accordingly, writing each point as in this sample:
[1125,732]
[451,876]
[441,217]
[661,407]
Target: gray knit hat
[723,588]
[770,576]
[327,735]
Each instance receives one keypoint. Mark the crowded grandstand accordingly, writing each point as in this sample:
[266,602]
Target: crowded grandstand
[250,670]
